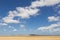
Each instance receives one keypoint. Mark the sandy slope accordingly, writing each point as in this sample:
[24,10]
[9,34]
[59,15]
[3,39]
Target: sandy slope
[31,38]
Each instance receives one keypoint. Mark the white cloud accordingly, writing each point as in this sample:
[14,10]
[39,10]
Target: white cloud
[22,12]
[3,24]
[11,27]
[53,18]
[14,30]
[52,27]
[9,18]
[41,3]
[27,12]
[22,27]
[57,30]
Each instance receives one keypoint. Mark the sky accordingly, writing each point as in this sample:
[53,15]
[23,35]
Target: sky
[40,17]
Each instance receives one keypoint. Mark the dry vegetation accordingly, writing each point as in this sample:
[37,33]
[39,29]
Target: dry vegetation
[31,38]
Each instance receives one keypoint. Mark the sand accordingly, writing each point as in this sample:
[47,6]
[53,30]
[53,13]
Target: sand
[30,38]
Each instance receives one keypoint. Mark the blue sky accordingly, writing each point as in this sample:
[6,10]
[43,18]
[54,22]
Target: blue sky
[30,17]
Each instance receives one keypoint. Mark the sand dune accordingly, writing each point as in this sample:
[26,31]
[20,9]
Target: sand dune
[31,38]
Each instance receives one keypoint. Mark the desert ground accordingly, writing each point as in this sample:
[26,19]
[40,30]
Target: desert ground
[30,38]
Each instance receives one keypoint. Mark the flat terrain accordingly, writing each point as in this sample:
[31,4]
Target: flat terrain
[31,38]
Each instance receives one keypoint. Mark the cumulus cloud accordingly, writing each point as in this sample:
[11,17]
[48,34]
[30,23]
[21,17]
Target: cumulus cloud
[3,24]
[27,12]
[22,12]
[22,27]
[53,18]
[14,30]
[52,27]
[9,18]
[11,27]
[41,3]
